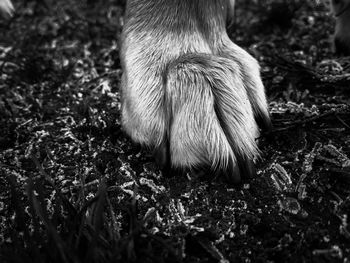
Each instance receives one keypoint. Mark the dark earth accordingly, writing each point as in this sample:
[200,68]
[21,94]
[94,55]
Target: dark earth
[73,187]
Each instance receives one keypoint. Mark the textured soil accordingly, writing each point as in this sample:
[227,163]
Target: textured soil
[73,188]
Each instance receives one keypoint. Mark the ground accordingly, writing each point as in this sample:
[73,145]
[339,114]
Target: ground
[73,188]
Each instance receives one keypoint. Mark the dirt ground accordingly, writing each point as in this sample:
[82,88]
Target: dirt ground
[73,188]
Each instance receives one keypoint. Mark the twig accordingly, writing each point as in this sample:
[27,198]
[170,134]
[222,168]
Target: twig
[300,122]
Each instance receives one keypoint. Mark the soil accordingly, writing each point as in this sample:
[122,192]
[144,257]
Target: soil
[74,188]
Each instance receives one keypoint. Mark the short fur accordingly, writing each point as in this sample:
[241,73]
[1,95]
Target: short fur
[341,11]
[188,92]
[6,8]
